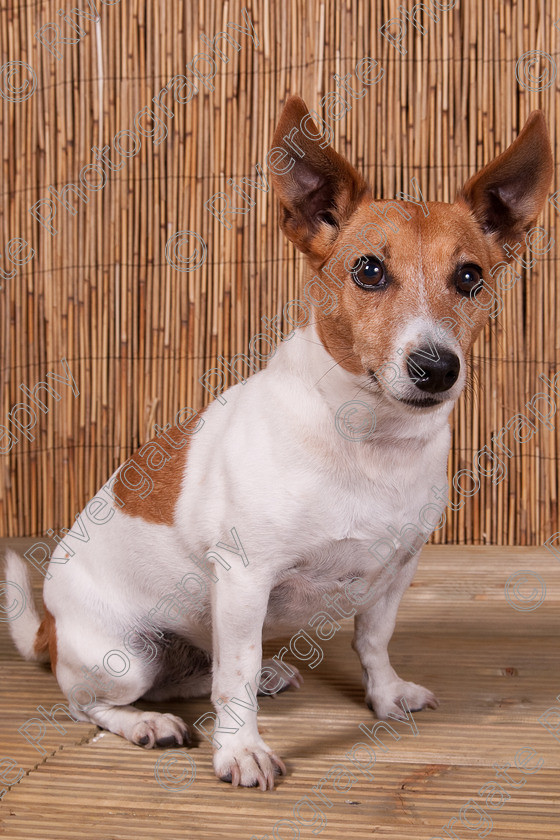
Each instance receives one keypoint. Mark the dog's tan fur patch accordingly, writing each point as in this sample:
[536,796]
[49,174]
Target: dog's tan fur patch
[328,212]
[159,504]
[362,332]
[45,640]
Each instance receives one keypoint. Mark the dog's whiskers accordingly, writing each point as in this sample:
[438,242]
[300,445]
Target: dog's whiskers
[336,364]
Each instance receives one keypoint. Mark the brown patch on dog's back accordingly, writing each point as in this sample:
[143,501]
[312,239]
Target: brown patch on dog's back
[158,504]
[45,640]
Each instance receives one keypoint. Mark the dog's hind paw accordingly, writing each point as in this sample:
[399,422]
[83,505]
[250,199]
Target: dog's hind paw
[282,682]
[159,730]
[388,701]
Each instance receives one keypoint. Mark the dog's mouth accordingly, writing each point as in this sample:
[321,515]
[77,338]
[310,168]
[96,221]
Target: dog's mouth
[428,402]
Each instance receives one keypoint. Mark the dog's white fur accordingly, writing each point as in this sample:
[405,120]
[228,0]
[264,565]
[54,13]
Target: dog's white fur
[307,504]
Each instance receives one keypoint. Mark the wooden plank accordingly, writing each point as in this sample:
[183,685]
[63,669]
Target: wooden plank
[494,669]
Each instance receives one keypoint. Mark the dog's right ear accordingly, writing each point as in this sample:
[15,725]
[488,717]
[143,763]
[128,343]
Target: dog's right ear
[318,189]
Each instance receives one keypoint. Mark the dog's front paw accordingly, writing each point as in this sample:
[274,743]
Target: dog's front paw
[159,730]
[248,765]
[387,701]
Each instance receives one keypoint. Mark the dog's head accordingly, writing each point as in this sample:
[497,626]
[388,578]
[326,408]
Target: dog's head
[413,282]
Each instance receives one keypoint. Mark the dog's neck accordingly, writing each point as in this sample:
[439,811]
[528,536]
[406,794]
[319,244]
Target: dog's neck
[304,355]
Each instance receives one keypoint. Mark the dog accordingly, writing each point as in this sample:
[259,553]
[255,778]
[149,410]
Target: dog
[268,492]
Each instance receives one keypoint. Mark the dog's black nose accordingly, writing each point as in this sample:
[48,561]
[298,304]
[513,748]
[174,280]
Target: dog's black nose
[433,375]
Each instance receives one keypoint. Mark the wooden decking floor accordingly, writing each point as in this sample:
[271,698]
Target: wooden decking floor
[495,670]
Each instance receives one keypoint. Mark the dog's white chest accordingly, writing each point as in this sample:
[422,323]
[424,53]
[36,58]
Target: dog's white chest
[368,531]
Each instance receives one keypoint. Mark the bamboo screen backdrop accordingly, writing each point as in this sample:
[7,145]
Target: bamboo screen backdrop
[136,333]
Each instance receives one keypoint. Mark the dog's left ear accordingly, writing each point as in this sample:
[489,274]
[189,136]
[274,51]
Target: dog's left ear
[318,189]
[509,193]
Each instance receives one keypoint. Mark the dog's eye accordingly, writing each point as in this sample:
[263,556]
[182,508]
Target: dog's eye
[368,273]
[468,279]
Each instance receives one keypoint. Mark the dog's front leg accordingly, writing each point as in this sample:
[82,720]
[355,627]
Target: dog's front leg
[373,631]
[239,607]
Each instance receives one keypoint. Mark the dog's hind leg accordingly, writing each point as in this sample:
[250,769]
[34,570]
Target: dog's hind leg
[105,698]
[183,671]
[192,677]
[146,729]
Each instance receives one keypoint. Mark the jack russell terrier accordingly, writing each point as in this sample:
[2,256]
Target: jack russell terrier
[306,501]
